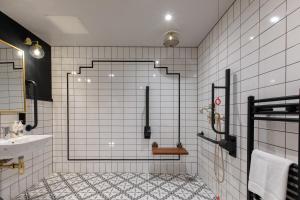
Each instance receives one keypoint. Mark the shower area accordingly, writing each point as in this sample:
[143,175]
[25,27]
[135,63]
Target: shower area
[102,115]
[107,110]
[110,105]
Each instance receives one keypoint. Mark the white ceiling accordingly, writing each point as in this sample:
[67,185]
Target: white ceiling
[118,22]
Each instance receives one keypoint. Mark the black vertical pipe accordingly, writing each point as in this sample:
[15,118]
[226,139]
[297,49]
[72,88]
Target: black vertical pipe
[227,104]
[179,142]
[147,106]
[35,105]
[299,149]
[250,138]
[212,105]
[68,119]
[147,128]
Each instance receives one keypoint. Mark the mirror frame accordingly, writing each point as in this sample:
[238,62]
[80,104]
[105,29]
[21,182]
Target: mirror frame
[16,111]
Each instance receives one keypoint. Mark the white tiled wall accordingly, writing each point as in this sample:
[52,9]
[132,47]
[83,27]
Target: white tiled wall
[259,41]
[107,114]
[37,164]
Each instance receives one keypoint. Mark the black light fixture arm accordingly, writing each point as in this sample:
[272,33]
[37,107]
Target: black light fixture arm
[33,83]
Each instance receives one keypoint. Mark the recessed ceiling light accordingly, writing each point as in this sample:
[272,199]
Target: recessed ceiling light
[68,24]
[168,17]
[274,19]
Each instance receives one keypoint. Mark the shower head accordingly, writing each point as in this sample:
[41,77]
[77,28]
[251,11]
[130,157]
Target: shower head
[171,39]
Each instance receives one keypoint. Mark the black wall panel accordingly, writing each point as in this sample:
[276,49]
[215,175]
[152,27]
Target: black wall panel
[38,70]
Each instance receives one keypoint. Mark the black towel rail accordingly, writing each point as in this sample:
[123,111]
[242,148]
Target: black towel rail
[268,111]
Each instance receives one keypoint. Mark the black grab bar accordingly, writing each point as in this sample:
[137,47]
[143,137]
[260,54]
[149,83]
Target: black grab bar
[35,106]
[201,134]
[229,142]
[147,129]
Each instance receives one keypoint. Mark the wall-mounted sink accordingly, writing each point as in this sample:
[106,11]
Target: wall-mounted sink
[15,147]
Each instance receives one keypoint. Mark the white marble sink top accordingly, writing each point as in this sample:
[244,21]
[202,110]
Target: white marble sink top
[15,147]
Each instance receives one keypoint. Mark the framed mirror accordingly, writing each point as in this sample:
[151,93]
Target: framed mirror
[12,79]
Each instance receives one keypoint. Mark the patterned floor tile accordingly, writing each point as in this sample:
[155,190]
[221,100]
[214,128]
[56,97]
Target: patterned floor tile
[53,180]
[74,180]
[135,193]
[124,186]
[58,186]
[110,192]
[169,187]
[121,197]
[136,180]
[172,197]
[88,176]
[43,197]
[147,197]
[159,193]
[95,197]
[62,193]
[118,186]
[156,181]
[115,180]
[69,175]
[147,186]
[191,187]
[183,193]
[102,186]
[86,193]
[37,192]
[70,197]
[79,186]
[95,180]
[127,175]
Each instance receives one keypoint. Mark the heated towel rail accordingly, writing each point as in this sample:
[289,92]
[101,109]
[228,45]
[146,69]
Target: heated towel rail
[267,110]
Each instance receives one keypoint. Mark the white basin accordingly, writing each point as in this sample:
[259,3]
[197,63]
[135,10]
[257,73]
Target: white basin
[15,147]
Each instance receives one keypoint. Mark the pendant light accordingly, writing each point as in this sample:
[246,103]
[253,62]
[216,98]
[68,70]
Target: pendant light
[171,39]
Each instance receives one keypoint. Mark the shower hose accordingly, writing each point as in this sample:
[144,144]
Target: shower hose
[218,156]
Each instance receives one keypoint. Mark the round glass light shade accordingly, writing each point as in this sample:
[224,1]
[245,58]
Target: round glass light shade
[171,39]
[37,51]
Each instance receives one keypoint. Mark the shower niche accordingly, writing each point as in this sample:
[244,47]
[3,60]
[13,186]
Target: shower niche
[107,110]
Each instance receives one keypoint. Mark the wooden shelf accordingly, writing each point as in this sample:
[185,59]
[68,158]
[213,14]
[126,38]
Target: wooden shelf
[169,151]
